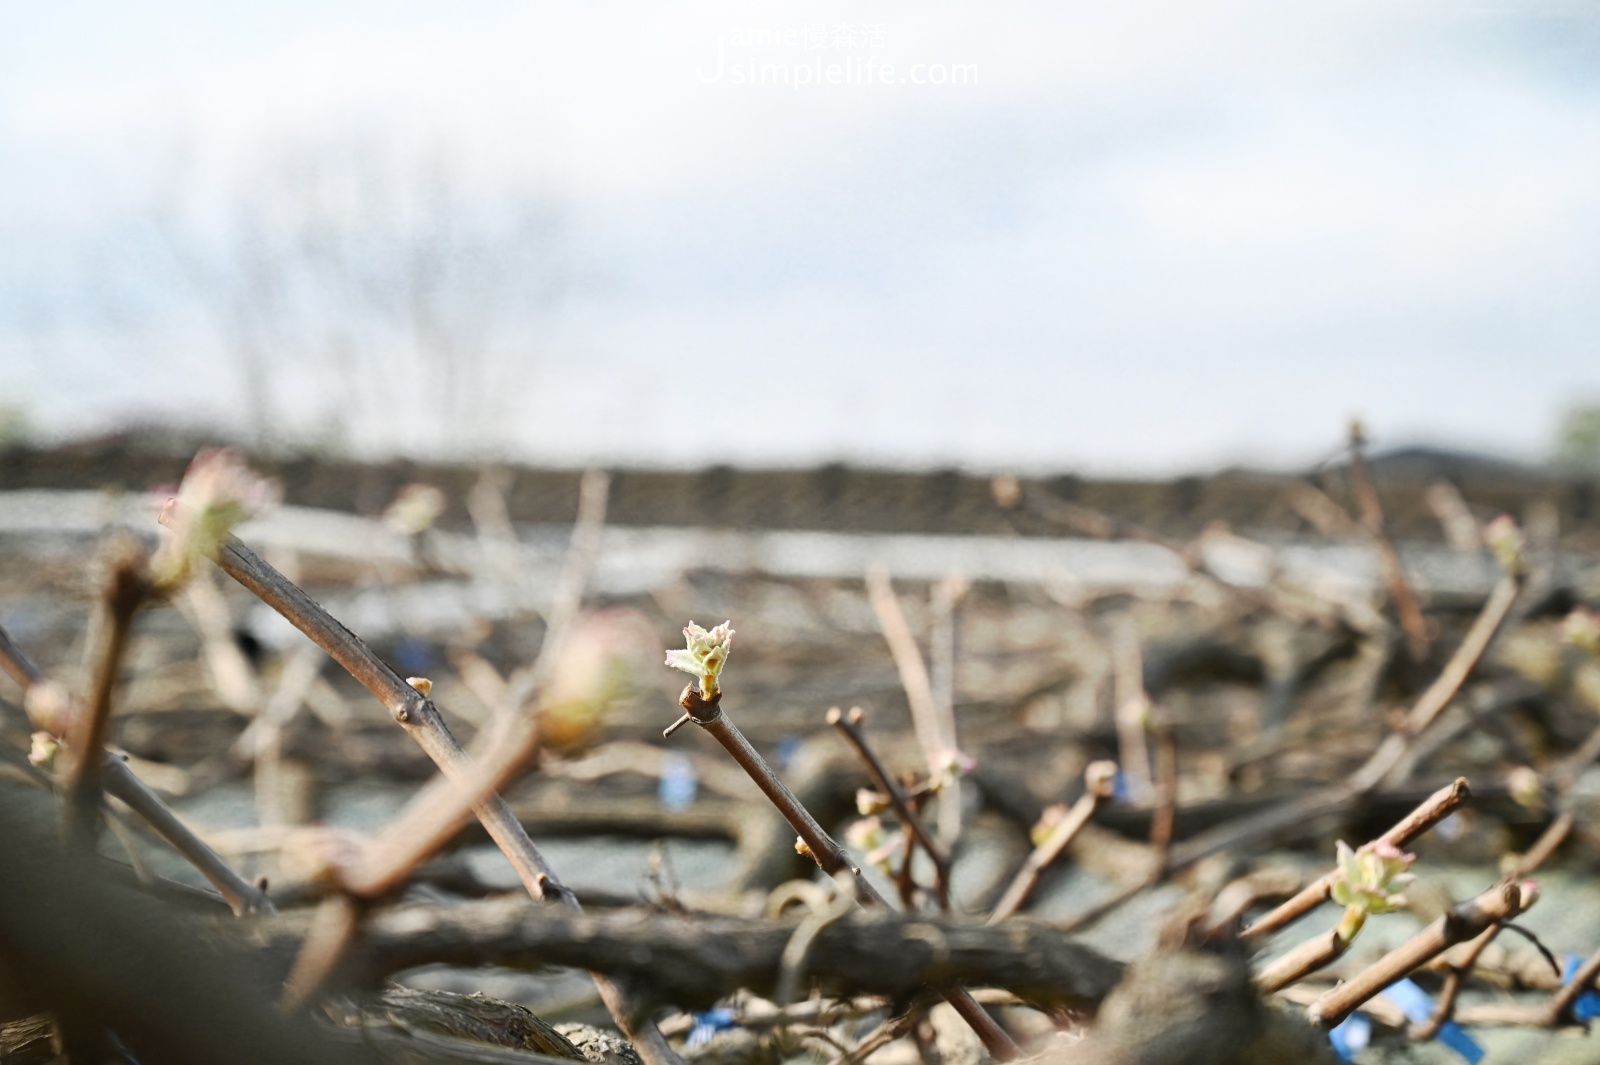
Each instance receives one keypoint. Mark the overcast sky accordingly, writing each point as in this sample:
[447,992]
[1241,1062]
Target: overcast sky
[1135,237]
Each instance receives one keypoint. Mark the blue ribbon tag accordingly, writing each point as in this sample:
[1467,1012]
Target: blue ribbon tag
[1587,1008]
[708,1024]
[679,783]
[1351,1036]
[1416,1004]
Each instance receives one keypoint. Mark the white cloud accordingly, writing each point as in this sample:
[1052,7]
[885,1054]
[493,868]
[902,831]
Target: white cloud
[1150,233]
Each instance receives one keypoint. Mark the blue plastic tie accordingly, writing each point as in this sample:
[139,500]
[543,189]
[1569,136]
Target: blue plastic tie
[1351,1036]
[708,1024]
[414,657]
[679,783]
[1587,1008]
[787,749]
[1417,1005]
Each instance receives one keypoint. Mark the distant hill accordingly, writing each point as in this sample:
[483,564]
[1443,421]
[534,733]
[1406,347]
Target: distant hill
[847,498]
[1419,465]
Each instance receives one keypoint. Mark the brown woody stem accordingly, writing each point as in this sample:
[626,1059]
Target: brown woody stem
[1434,808]
[1500,903]
[1404,597]
[474,786]
[120,781]
[242,896]
[935,727]
[127,589]
[1561,1002]
[824,851]
[1097,789]
[828,854]
[1320,950]
[849,726]
[1451,990]
[1363,781]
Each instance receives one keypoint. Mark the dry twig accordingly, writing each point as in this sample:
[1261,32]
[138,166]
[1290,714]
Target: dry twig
[849,726]
[935,731]
[1132,713]
[1433,809]
[944,602]
[242,896]
[82,944]
[1099,780]
[1404,597]
[127,589]
[694,959]
[1372,773]
[1529,862]
[823,849]
[121,782]
[1559,1010]
[582,551]
[1164,815]
[1500,903]
[437,812]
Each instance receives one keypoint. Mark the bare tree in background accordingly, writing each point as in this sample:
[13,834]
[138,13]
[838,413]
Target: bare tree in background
[381,300]
[1578,438]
